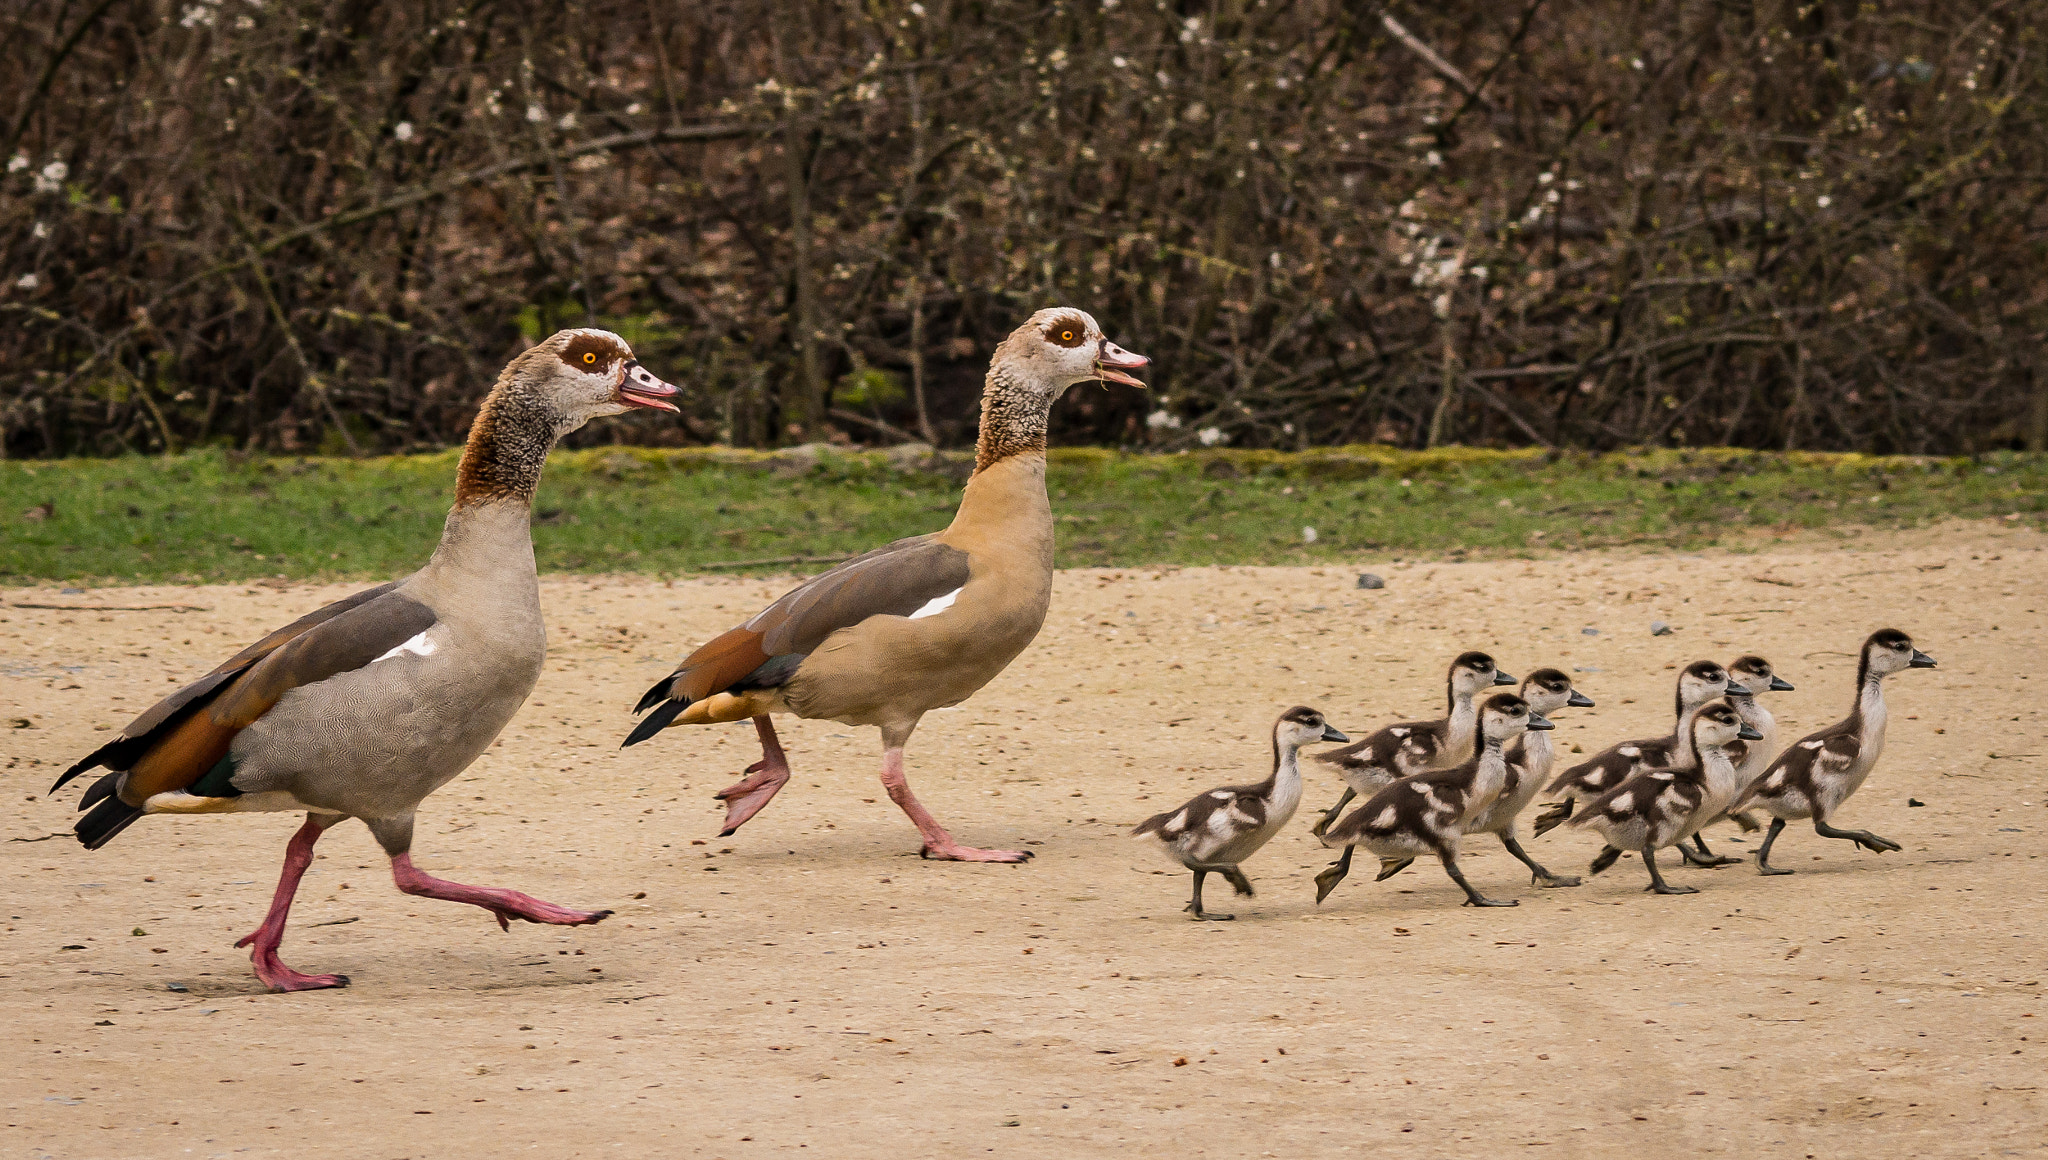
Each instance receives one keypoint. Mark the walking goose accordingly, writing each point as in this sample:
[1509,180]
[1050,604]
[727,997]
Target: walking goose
[1751,758]
[363,708]
[1817,773]
[1217,830]
[1530,757]
[1413,747]
[1662,807]
[1428,813]
[1698,683]
[920,624]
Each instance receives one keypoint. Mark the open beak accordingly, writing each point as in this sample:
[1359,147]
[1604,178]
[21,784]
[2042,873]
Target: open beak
[1780,685]
[1111,358]
[1330,733]
[1580,700]
[639,388]
[1921,660]
[1747,733]
[1539,722]
[1501,678]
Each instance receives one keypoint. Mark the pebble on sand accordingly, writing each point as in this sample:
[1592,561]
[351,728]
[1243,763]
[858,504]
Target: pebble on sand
[1368,580]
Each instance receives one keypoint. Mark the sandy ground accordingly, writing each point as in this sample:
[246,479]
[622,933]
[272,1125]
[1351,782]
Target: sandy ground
[810,985]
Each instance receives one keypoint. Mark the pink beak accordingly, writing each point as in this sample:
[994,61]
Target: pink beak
[639,388]
[1113,357]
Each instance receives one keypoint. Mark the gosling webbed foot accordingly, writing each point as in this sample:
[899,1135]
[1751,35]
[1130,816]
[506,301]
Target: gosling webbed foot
[1553,881]
[1667,888]
[1482,900]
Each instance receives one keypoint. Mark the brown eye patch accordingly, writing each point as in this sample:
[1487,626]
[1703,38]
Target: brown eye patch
[1067,332]
[587,351]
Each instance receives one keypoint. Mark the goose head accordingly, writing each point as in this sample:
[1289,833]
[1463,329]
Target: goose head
[1756,674]
[1702,681]
[1888,650]
[1474,672]
[1057,348]
[578,375]
[1506,715]
[1301,726]
[1717,724]
[1548,690]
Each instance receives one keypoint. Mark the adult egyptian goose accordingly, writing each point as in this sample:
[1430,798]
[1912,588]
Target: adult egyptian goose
[1412,747]
[1428,813]
[1217,830]
[1656,808]
[921,624]
[1698,683]
[1530,757]
[363,708]
[1817,773]
[1755,675]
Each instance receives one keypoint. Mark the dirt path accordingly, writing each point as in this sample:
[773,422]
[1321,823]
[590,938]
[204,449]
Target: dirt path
[809,985]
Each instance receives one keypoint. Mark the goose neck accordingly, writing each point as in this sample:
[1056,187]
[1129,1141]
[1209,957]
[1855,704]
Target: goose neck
[507,448]
[1014,414]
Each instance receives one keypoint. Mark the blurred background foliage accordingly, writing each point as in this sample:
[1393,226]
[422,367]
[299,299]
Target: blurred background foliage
[324,225]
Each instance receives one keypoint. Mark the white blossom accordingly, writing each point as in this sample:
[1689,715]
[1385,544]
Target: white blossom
[1163,420]
[28,281]
[1308,535]
[1210,436]
[402,131]
[1823,201]
[567,122]
[535,113]
[17,163]
[51,179]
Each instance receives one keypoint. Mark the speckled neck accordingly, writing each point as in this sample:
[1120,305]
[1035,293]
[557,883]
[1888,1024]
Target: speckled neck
[507,448]
[1013,418]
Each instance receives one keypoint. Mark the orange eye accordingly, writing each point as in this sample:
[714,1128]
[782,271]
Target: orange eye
[1066,336]
[589,356]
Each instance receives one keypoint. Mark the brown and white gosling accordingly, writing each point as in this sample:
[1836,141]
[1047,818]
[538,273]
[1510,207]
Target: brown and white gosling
[1698,683]
[1751,758]
[1817,773]
[1413,747]
[1217,830]
[1530,757]
[1428,813]
[1662,807]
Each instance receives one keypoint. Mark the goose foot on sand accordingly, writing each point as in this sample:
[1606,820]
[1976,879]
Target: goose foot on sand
[744,799]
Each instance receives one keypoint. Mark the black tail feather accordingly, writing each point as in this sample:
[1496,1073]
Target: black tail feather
[107,819]
[89,761]
[100,791]
[654,722]
[655,695]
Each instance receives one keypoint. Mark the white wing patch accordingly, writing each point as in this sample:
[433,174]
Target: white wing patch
[936,605]
[418,646]
[1629,751]
[1811,744]
[1622,803]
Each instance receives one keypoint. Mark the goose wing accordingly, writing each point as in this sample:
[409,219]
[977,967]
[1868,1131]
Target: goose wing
[175,743]
[917,576]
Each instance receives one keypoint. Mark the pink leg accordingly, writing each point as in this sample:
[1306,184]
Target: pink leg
[266,938]
[506,904]
[765,777]
[937,842]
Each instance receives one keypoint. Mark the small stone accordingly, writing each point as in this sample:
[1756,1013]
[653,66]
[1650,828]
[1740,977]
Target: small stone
[180,988]
[1915,802]
[1659,628]
[1308,535]
[1368,580]
[1589,632]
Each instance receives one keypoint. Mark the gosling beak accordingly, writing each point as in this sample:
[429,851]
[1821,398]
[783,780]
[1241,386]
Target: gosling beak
[1330,733]
[1539,722]
[1580,700]
[1780,684]
[1501,678]
[639,388]
[1111,357]
[1736,689]
[1921,660]
[1749,733]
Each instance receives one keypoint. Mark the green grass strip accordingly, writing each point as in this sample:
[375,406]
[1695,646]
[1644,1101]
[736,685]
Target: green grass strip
[212,517]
